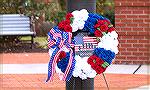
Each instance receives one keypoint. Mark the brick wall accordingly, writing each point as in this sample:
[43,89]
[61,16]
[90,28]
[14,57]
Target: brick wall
[132,22]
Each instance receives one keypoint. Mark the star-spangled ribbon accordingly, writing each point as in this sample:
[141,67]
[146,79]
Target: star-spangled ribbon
[56,40]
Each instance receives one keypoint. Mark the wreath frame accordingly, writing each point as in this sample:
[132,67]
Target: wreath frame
[60,42]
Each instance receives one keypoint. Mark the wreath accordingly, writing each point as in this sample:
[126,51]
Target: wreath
[64,60]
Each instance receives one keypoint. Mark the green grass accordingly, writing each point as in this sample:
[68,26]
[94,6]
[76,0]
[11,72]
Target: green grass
[41,41]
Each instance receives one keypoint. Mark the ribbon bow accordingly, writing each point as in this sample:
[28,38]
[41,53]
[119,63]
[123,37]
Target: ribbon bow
[58,39]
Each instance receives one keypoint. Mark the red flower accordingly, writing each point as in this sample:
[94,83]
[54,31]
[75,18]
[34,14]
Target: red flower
[92,59]
[111,29]
[101,22]
[96,64]
[103,28]
[97,26]
[61,25]
[107,22]
[98,33]
[65,25]
[67,22]
[68,28]
[68,16]
[99,69]
[62,55]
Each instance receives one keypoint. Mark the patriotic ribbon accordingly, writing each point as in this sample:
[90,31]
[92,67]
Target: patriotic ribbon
[56,40]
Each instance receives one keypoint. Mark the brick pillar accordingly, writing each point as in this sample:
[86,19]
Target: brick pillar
[132,22]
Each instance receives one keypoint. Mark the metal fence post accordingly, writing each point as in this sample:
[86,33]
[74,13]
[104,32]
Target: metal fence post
[77,83]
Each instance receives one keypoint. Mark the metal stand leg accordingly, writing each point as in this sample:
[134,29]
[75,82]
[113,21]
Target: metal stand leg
[105,81]
[137,68]
[31,42]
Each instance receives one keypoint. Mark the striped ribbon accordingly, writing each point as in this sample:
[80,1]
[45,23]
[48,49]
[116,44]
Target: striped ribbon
[56,40]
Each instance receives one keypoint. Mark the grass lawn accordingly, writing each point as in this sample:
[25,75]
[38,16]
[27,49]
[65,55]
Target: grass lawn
[40,41]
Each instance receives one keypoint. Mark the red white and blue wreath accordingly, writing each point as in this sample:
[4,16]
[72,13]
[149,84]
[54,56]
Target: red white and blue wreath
[65,62]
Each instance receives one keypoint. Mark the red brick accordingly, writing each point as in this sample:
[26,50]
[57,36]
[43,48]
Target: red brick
[147,12]
[122,33]
[147,4]
[132,33]
[117,28]
[126,29]
[126,20]
[126,37]
[137,53]
[147,37]
[126,45]
[132,16]
[143,1]
[126,4]
[138,29]
[143,41]
[143,33]
[120,25]
[132,49]
[144,16]
[138,20]
[126,12]
[138,12]
[120,57]
[146,29]
[117,4]
[120,16]
[139,37]
[138,4]
[122,49]
[138,45]
[125,53]
[147,45]
[143,25]
[131,25]
[132,41]
[122,41]
[117,20]
[147,54]
[132,57]
[143,49]
[144,58]
[147,20]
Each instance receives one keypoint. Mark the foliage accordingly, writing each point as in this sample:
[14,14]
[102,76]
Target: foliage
[32,7]
[106,8]
[9,6]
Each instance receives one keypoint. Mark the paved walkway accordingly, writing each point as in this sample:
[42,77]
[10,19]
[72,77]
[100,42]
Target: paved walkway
[28,71]
[42,69]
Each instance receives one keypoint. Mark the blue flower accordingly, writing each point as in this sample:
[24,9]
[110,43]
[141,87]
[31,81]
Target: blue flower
[63,63]
[106,55]
[96,16]
[88,26]
[98,51]
[92,20]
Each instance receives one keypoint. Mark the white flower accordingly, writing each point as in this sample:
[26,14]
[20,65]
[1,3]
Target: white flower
[83,69]
[81,25]
[109,42]
[79,19]
[84,14]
